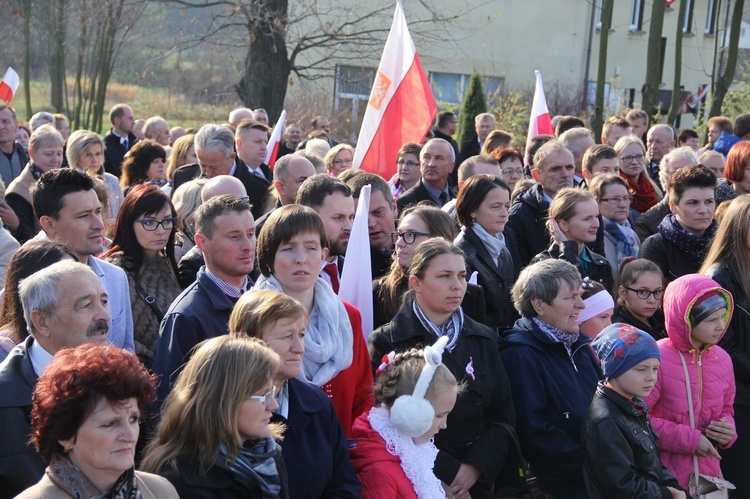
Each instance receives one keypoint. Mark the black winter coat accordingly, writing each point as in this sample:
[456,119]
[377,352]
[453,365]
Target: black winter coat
[599,269]
[736,340]
[500,313]
[621,457]
[472,435]
[672,262]
[527,219]
[654,327]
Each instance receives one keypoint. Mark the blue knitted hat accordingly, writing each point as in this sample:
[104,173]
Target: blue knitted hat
[621,347]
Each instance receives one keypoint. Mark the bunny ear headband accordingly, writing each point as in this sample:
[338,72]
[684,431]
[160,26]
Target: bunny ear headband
[412,415]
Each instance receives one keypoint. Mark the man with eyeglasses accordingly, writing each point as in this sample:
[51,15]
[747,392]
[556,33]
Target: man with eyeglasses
[659,141]
[225,233]
[554,167]
[69,212]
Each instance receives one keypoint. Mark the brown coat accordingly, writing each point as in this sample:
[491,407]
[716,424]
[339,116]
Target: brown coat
[150,487]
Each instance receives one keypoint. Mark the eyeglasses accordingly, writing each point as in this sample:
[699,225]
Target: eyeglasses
[643,294]
[266,398]
[245,199]
[513,171]
[617,201]
[630,159]
[342,161]
[410,164]
[150,224]
[408,236]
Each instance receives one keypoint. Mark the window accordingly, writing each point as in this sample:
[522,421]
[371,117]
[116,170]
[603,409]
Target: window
[450,87]
[711,17]
[636,15]
[687,27]
[352,86]
[599,6]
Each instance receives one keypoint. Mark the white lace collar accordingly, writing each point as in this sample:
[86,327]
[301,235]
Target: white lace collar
[417,460]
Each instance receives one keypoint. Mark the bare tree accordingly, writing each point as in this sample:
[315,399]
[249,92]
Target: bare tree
[724,81]
[601,75]
[653,57]
[674,107]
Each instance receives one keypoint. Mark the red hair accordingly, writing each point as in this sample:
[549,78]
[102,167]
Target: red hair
[74,383]
[507,153]
[737,160]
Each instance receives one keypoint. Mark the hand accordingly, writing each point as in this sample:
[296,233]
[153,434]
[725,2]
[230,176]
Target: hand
[9,217]
[467,476]
[706,448]
[557,234]
[720,431]
[676,494]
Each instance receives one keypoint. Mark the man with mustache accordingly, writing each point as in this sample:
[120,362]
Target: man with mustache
[436,162]
[69,212]
[332,200]
[65,305]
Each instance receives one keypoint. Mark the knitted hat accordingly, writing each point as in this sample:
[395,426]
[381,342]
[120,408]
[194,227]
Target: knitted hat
[621,347]
[706,305]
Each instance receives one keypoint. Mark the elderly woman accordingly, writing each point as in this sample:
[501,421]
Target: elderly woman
[315,450]
[632,154]
[511,165]
[338,159]
[474,448]
[85,150]
[145,163]
[553,374]
[85,416]
[214,439]
[407,175]
[45,154]
[490,246]
[291,249]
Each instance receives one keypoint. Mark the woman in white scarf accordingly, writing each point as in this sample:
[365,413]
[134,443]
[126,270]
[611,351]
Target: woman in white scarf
[291,249]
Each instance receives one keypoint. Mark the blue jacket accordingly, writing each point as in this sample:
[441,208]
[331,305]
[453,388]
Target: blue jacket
[200,312]
[315,449]
[551,393]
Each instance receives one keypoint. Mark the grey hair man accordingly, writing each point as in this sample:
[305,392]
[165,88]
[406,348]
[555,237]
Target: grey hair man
[659,141]
[41,118]
[241,113]
[436,162]
[578,141]
[65,305]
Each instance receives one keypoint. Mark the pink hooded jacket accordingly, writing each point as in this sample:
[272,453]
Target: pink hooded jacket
[711,382]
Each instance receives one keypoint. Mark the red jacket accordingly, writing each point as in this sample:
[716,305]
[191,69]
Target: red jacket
[351,390]
[378,470]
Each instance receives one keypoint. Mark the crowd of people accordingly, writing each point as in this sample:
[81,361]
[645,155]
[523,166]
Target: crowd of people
[171,324]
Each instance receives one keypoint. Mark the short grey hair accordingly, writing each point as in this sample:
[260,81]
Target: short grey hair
[216,138]
[686,152]
[547,149]
[41,118]
[439,141]
[79,142]
[570,140]
[39,290]
[281,167]
[542,281]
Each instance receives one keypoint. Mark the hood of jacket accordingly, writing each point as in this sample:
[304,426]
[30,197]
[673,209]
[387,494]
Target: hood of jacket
[366,446]
[534,197]
[679,300]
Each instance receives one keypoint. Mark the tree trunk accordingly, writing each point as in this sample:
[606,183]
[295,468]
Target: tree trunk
[653,57]
[674,107]
[601,75]
[57,55]
[724,81]
[267,66]
[27,55]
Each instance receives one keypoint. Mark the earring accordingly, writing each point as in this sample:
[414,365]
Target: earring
[67,448]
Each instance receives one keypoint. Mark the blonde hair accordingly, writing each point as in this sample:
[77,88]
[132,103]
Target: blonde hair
[624,142]
[565,203]
[180,149]
[402,374]
[729,245]
[331,154]
[260,309]
[201,411]
[79,142]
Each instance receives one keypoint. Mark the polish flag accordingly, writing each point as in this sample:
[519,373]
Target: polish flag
[540,122]
[273,143]
[401,107]
[8,86]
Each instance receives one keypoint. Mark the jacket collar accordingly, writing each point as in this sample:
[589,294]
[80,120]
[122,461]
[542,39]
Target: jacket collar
[481,250]
[622,402]
[219,301]
[406,326]
[525,332]
[17,376]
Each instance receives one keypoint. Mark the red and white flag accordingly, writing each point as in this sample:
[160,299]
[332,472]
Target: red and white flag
[401,106]
[273,143]
[8,86]
[540,122]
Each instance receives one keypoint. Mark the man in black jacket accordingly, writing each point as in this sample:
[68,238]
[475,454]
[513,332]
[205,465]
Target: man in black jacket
[436,162]
[484,123]
[120,138]
[446,126]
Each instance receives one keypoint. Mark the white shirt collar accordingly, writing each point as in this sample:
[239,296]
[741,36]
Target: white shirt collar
[39,357]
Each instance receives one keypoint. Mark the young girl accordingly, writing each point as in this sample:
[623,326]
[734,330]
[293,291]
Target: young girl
[619,445]
[392,450]
[697,312]
[639,295]
[599,308]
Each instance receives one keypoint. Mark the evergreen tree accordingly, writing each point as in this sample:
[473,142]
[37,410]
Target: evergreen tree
[474,103]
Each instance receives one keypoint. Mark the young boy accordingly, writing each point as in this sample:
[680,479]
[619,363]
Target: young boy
[621,459]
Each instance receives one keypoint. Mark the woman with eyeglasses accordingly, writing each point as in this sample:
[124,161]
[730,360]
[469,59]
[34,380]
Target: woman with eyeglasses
[490,246]
[639,293]
[511,164]
[620,240]
[632,155]
[418,223]
[338,159]
[407,175]
[143,246]
[214,439]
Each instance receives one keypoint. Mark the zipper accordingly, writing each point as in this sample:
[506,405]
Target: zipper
[700,381]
